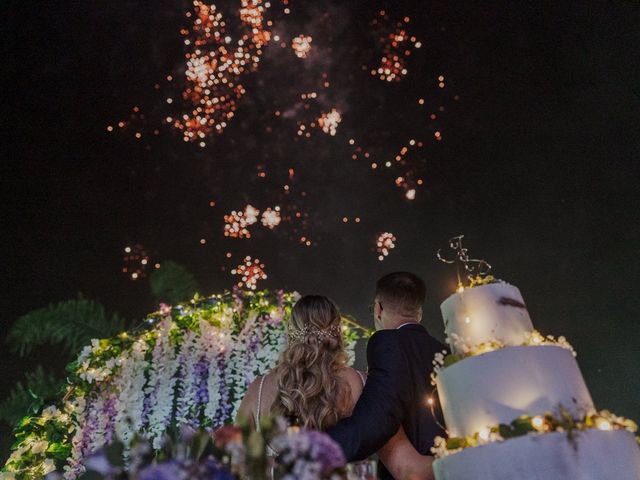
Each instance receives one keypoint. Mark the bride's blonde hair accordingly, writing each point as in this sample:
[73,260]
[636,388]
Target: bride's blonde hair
[310,386]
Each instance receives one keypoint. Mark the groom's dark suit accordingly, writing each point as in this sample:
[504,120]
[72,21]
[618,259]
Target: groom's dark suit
[396,393]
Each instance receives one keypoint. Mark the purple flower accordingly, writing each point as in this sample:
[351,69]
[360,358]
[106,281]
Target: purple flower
[300,448]
[171,470]
[201,375]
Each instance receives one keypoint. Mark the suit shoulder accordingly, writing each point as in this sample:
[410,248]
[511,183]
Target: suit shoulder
[384,340]
[384,336]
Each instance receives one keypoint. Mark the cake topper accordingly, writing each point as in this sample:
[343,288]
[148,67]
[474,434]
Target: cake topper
[477,269]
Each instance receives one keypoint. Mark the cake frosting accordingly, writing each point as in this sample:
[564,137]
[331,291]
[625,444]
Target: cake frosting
[485,390]
[495,311]
[593,455]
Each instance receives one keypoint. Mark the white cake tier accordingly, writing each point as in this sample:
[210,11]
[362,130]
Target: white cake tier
[595,455]
[493,311]
[499,386]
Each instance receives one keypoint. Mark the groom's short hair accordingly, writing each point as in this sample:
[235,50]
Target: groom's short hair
[404,292]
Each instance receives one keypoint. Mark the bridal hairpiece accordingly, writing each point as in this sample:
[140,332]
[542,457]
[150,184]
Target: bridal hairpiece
[311,331]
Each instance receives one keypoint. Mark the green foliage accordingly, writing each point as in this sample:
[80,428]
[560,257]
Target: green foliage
[38,389]
[70,324]
[451,359]
[517,428]
[172,283]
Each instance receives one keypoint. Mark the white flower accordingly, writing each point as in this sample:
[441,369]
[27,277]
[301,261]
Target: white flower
[39,447]
[48,466]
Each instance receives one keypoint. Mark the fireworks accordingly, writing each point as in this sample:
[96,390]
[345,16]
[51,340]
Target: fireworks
[396,47]
[307,85]
[329,121]
[301,45]
[384,244]
[135,261]
[271,218]
[215,66]
[236,223]
[250,272]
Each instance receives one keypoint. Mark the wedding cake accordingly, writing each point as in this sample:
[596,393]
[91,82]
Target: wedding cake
[515,403]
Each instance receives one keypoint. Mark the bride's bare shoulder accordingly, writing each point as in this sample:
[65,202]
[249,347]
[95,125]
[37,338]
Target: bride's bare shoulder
[250,400]
[353,376]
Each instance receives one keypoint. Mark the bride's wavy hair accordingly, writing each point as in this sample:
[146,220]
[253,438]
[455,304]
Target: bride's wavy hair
[311,389]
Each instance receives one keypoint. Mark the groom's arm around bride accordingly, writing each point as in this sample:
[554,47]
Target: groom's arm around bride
[395,396]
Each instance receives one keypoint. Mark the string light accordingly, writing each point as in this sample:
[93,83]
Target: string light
[537,422]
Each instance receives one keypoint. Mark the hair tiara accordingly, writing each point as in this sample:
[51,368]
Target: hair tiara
[312,331]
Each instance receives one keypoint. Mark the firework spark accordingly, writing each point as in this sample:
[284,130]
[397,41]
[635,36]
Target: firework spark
[215,65]
[328,122]
[396,48]
[301,45]
[237,223]
[385,244]
[271,218]
[136,261]
[250,272]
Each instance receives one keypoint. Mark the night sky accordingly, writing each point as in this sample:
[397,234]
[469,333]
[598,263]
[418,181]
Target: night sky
[537,166]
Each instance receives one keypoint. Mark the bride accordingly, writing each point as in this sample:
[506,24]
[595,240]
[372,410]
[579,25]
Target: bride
[313,384]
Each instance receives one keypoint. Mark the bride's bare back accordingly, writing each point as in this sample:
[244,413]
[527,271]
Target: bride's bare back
[269,401]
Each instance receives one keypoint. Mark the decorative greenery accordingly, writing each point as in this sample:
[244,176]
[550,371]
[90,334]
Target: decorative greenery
[172,283]
[561,421]
[39,388]
[189,365]
[70,324]
[479,280]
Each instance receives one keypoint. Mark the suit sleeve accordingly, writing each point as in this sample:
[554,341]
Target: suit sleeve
[379,410]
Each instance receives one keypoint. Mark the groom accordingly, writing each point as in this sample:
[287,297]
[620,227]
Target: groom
[398,387]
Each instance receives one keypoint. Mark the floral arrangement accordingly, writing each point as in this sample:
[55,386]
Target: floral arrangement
[562,421]
[189,364]
[229,453]
[308,454]
[444,359]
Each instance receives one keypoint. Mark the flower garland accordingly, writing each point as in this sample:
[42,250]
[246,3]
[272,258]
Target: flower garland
[189,365]
[445,359]
[562,421]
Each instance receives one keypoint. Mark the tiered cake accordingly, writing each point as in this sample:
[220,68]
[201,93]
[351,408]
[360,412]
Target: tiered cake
[519,379]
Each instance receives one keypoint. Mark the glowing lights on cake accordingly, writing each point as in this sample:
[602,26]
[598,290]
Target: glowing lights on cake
[602,423]
[384,244]
[560,421]
[537,422]
[477,269]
